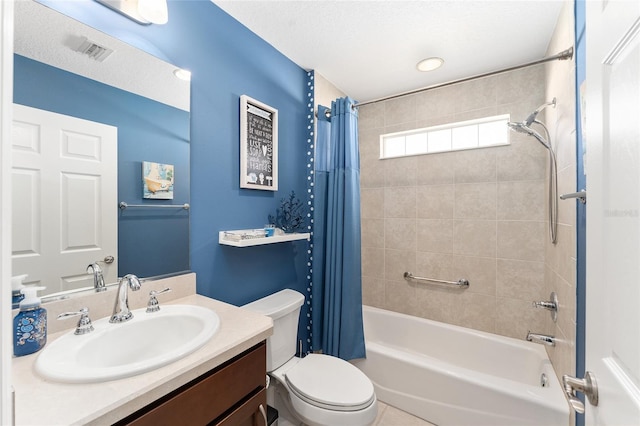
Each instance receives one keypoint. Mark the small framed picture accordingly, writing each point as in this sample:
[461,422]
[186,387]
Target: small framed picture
[157,181]
[258,145]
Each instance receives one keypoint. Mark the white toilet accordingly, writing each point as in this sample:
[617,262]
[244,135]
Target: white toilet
[322,390]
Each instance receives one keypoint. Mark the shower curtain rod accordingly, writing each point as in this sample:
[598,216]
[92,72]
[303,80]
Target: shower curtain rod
[564,55]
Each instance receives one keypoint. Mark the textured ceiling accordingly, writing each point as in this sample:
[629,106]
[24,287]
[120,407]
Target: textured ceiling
[369,49]
[50,37]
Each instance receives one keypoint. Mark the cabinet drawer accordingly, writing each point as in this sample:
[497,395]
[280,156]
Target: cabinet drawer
[248,414]
[210,396]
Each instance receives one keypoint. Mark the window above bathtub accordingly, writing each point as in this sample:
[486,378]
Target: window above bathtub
[471,134]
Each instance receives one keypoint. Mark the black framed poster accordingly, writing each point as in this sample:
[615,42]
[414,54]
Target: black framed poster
[258,145]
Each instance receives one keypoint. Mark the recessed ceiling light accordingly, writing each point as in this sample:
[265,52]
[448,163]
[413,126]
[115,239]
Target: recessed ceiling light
[430,64]
[182,74]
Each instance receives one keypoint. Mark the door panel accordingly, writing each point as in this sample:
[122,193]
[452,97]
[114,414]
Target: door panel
[64,198]
[613,210]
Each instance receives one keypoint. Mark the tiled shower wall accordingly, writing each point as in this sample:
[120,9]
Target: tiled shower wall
[476,214]
[560,260]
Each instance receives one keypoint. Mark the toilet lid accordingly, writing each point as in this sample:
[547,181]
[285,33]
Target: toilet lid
[329,382]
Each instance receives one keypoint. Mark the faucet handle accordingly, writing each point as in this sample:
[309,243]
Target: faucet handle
[153,305]
[551,305]
[84,323]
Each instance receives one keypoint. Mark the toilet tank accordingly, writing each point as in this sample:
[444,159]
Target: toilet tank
[284,309]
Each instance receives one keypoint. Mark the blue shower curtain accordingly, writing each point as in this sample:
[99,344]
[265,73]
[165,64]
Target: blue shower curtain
[337,278]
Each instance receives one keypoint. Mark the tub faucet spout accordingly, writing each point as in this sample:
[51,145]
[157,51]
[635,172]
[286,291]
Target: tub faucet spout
[541,338]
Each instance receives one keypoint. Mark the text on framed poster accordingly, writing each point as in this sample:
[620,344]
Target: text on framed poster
[258,145]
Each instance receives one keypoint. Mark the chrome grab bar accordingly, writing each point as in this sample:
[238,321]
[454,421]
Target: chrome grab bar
[124,206]
[580,195]
[462,283]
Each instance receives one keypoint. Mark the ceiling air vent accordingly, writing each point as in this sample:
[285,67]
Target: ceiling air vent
[94,50]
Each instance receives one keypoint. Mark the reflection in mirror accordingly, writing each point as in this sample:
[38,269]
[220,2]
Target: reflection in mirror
[87,106]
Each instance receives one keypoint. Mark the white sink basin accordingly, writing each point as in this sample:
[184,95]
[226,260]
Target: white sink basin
[115,351]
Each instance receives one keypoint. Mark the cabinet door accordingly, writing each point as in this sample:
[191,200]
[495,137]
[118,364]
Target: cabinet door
[207,400]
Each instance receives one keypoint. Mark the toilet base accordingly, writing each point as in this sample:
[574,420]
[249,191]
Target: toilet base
[278,396]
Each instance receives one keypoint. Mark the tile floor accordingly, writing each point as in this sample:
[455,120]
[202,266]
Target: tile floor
[387,416]
[391,416]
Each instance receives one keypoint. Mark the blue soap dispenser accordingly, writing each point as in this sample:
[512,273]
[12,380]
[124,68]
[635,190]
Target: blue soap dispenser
[16,287]
[30,325]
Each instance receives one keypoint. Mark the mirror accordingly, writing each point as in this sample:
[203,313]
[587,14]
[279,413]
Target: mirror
[64,67]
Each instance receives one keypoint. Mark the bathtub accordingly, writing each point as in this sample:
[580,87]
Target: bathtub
[450,375]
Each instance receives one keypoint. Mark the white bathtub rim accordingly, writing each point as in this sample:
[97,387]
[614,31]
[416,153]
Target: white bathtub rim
[510,341]
[537,394]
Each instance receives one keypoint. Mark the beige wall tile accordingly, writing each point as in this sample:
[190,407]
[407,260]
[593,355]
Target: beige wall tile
[476,201]
[524,200]
[516,87]
[371,116]
[373,291]
[437,303]
[371,174]
[479,271]
[397,262]
[476,311]
[474,238]
[400,234]
[400,171]
[400,202]
[435,103]
[476,165]
[400,110]
[435,235]
[520,279]
[438,266]
[524,159]
[435,169]
[369,144]
[372,262]
[514,318]
[567,184]
[372,203]
[476,94]
[435,201]
[400,296]
[523,240]
[372,233]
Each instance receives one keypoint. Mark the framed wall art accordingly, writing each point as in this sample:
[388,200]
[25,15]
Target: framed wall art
[258,145]
[157,181]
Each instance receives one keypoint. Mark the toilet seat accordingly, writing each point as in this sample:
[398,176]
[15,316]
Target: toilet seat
[330,383]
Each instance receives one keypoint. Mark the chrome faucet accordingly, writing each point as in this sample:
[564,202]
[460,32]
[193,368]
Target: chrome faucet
[551,305]
[541,338]
[98,279]
[121,312]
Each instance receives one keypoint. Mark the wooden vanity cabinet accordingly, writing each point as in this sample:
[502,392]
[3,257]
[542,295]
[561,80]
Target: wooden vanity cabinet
[229,395]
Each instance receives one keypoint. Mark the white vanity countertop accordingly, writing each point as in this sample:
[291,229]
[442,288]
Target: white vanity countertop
[40,402]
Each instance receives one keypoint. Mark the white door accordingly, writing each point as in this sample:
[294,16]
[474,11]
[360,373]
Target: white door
[613,210]
[64,179]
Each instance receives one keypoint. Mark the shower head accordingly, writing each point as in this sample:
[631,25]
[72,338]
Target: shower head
[519,127]
[524,128]
[532,117]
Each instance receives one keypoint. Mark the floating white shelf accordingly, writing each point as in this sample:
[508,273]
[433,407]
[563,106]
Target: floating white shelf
[248,242]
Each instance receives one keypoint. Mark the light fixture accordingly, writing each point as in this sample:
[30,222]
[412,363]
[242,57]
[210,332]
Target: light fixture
[143,12]
[430,64]
[154,11]
[182,74]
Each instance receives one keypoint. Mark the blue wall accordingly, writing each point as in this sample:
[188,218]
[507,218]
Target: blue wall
[147,131]
[226,61]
